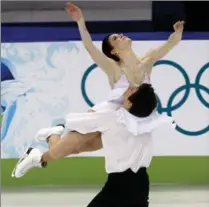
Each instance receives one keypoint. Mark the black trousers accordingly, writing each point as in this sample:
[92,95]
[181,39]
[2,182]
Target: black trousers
[126,189]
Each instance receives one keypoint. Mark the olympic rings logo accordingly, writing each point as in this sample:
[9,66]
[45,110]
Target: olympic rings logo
[170,106]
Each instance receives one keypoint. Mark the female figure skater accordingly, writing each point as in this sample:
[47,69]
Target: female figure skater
[124,71]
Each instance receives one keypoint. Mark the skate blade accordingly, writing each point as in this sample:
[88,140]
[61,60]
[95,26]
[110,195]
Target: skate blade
[20,160]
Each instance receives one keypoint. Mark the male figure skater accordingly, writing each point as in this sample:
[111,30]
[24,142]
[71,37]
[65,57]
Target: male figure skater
[127,142]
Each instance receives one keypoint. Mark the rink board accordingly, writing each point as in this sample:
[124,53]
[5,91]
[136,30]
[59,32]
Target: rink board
[90,171]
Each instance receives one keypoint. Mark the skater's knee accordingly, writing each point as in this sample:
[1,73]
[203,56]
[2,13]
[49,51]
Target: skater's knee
[53,140]
[84,142]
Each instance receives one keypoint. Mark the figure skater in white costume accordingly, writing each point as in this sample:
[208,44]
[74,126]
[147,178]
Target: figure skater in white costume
[124,70]
[127,140]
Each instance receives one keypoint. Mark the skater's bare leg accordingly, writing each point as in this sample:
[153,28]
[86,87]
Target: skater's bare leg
[67,145]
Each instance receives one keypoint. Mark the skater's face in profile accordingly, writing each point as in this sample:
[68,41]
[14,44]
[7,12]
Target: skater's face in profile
[126,102]
[113,44]
[119,42]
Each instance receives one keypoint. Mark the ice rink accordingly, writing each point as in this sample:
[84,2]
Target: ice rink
[160,196]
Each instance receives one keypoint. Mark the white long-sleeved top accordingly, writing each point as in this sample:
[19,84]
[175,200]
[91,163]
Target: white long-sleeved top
[127,140]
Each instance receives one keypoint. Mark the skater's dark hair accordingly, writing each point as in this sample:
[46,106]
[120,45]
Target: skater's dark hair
[107,48]
[143,101]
